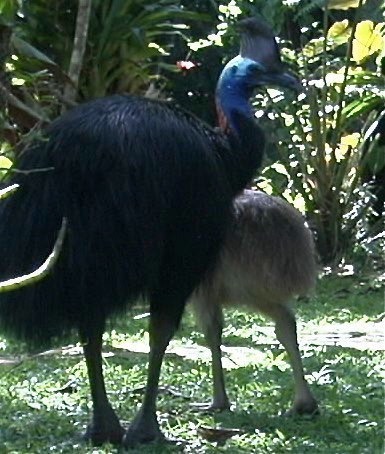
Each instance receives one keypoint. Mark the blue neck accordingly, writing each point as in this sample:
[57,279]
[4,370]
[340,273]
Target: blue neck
[233,92]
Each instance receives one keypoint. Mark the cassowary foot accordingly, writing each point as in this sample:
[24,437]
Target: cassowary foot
[308,407]
[213,407]
[143,429]
[104,428]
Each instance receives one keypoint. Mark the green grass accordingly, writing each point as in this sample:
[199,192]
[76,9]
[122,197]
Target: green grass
[44,400]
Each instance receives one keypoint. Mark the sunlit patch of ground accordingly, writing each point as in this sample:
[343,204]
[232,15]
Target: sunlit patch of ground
[44,398]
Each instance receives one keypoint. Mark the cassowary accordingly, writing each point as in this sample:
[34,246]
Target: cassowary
[268,258]
[146,189]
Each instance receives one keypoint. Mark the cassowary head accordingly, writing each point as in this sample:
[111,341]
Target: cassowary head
[258,64]
[259,45]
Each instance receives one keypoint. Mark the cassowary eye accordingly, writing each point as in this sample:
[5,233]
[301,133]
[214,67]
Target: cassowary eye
[254,68]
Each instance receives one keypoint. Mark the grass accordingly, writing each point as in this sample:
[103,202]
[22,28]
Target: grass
[44,400]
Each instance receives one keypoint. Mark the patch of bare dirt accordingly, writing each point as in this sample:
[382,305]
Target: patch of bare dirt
[358,335]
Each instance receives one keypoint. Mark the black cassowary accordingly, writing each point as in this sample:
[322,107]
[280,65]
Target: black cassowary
[268,258]
[146,189]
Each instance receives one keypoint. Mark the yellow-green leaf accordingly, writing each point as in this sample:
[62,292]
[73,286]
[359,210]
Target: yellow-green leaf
[368,40]
[339,32]
[313,47]
[5,163]
[347,142]
[350,140]
[344,4]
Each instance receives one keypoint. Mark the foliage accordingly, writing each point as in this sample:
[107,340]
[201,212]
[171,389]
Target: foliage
[126,48]
[316,157]
[128,41]
[44,398]
[321,154]
[322,172]
[133,46]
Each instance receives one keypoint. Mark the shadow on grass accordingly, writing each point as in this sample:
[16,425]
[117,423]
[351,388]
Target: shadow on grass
[44,402]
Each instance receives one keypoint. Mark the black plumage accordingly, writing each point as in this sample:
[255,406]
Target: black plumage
[134,210]
[146,189]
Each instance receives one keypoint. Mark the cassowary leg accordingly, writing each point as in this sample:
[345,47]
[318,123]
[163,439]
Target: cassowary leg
[104,426]
[210,318]
[286,331]
[145,428]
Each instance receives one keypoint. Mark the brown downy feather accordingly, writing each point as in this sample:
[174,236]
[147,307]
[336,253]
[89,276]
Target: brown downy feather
[268,257]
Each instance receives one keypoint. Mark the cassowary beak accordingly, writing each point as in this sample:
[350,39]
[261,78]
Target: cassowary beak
[258,43]
[282,79]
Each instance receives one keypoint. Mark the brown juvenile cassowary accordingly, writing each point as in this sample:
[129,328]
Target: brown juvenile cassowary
[146,189]
[268,258]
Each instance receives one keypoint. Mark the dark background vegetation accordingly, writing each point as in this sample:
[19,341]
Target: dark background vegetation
[315,156]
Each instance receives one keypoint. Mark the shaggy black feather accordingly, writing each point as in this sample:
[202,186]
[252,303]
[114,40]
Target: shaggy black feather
[146,189]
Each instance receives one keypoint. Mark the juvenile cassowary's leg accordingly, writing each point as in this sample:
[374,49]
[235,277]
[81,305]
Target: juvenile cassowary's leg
[145,428]
[286,331]
[210,318]
[105,426]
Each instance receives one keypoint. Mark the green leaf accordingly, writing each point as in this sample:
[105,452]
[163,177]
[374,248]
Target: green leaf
[8,10]
[361,106]
[28,50]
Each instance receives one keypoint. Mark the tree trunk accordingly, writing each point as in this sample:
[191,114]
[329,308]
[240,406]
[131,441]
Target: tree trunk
[79,47]
[5,38]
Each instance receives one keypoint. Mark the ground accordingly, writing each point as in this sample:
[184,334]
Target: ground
[44,397]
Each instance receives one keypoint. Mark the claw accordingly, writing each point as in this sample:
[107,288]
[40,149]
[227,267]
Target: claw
[98,435]
[143,429]
[304,408]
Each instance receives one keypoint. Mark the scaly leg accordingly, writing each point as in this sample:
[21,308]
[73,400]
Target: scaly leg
[105,426]
[286,331]
[145,428]
[210,318]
